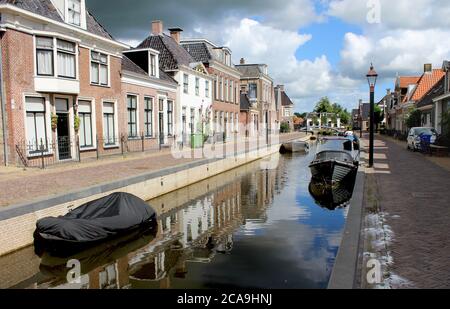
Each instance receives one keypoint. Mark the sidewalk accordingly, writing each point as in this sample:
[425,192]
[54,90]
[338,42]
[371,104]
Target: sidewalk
[20,186]
[410,195]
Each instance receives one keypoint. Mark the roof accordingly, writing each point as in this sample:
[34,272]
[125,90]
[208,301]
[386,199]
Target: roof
[426,82]
[172,55]
[130,66]
[245,103]
[365,110]
[405,81]
[199,51]
[46,9]
[251,70]
[285,99]
[437,90]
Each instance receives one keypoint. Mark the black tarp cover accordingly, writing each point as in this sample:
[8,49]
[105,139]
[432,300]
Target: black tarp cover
[98,220]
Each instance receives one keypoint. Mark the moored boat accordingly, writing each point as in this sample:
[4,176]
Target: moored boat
[336,159]
[296,146]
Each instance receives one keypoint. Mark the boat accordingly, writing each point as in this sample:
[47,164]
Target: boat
[296,146]
[93,223]
[333,196]
[337,159]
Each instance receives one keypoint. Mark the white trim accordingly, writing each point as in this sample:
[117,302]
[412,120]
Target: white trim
[132,80]
[442,97]
[9,7]
[137,96]
[116,124]
[70,99]
[94,122]
[153,135]
[90,68]
[153,51]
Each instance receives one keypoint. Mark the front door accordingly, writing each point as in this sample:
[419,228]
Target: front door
[161,128]
[63,129]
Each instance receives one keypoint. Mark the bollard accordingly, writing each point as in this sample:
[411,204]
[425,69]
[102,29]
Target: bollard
[42,148]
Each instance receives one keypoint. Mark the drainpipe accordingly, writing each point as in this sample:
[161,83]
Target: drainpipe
[3,105]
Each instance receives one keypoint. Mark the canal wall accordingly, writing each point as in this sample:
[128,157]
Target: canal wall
[18,222]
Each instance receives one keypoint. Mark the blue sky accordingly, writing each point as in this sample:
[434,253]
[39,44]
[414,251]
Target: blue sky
[315,48]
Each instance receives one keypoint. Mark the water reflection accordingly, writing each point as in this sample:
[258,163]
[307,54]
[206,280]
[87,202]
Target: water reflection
[245,228]
[332,196]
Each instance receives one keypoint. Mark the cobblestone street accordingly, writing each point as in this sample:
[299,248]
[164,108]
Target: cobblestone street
[412,195]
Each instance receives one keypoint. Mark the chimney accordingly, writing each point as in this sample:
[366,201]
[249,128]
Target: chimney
[175,33]
[157,27]
[388,91]
[281,87]
[427,68]
[242,61]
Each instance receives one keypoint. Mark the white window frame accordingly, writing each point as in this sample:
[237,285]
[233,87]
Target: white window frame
[152,115]
[137,116]
[69,10]
[156,65]
[94,122]
[207,88]
[197,86]
[108,60]
[47,113]
[116,124]
[185,84]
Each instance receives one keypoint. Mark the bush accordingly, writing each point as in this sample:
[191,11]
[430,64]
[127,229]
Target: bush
[284,128]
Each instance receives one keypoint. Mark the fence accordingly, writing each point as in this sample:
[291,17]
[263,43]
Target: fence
[55,151]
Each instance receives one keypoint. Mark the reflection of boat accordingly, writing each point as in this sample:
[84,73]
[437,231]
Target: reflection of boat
[336,159]
[332,196]
[104,219]
[97,256]
[296,146]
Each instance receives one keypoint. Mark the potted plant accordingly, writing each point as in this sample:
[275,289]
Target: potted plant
[54,119]
[76,123]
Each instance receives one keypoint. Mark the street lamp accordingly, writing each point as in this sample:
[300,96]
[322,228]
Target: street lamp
[372,79]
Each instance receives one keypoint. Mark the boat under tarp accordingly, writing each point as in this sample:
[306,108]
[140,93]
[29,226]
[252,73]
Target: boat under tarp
[92,223]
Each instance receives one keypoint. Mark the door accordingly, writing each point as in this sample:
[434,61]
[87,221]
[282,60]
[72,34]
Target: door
[161,128]
[63,129]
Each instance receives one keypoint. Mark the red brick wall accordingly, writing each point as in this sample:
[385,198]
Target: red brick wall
[18,72]
[223,106]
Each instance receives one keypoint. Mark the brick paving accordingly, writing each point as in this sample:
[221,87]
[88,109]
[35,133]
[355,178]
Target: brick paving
[20,186]
[414,192]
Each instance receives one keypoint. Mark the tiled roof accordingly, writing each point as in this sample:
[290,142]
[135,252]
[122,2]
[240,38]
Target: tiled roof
[285,99]
[46,9]
[426,82]
[199,51]
[249,70]
[436,91]
[130,66]
[172,55]
[405,81]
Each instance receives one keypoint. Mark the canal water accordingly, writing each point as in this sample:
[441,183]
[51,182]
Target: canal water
[257,226]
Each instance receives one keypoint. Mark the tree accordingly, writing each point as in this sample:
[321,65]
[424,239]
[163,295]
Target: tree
[301,115]
[378,116]
[324,106]
[414,119]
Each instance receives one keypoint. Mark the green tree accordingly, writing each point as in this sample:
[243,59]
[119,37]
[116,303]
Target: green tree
[414,119]
[324,106]
[378,116]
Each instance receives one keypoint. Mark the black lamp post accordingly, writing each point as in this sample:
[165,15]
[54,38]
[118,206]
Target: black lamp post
[372,79]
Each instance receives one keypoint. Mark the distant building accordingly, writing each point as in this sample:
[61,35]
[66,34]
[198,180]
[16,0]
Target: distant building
[285,106]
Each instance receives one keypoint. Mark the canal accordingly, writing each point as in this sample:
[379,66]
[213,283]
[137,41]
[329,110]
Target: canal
[251,227]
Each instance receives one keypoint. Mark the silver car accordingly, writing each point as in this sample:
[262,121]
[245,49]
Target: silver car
[414,134]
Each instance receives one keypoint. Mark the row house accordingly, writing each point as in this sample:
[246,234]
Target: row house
[409,92]
[193,111]
[285,106]
[260,114]
[226,84]
[68,91]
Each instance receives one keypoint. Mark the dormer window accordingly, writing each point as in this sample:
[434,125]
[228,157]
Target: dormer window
[153,65]
[74,12]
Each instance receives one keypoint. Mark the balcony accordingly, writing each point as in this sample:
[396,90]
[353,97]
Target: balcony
[56,85]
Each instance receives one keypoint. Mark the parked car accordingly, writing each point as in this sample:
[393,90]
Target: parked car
[414,137]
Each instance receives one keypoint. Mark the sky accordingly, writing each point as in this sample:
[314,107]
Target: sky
[315,48]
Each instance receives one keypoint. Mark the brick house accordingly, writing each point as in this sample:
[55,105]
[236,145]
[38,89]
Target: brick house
[285,105]
[226,84]
[68,92]
[192,112]
[261,114]
[441,100]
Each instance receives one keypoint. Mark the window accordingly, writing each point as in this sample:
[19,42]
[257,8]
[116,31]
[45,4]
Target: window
[221,89]
[216,89]
[44,56]
[252,93]
[66,59]
[186,83]
[191,124]
[231,91]
[148,115]
[207,88]
[197,86]
[36,124]
[152,65]
[109,124]
[226,90]
[132,115]
[74,12]
[99,69]
[170,118]
[85,114]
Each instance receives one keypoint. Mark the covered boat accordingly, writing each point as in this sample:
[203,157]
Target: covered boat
[337,158]
[104,219]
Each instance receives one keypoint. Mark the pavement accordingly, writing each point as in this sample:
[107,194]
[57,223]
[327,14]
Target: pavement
[18,185]
[407,208]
